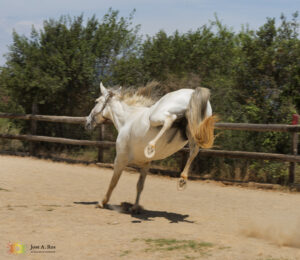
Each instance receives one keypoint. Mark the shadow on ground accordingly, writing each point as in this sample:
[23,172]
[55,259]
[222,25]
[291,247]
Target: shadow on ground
[143,215]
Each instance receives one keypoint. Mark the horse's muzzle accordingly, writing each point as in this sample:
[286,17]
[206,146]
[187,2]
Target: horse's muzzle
[89,125]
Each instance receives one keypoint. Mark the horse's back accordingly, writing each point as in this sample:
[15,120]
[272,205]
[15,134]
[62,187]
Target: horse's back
[179,98]
[175,102]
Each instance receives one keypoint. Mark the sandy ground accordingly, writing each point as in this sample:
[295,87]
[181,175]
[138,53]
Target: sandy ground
[45,203]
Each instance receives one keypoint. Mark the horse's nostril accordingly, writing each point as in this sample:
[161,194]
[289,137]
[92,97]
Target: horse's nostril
[88,126]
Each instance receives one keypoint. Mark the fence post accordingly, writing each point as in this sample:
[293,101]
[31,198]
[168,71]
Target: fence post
[33,128]
[292,169]
[100,138]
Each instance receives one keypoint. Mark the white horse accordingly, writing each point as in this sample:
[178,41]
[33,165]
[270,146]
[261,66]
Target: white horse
[151,133]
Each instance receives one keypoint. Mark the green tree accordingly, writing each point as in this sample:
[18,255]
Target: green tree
[254,75]
[59,67]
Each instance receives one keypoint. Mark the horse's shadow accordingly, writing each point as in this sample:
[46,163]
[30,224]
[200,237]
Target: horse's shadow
[143,215]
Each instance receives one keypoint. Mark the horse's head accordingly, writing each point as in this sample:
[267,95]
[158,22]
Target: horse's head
[100,112]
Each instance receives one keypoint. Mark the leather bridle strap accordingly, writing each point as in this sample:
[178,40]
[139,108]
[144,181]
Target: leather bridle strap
[110,94]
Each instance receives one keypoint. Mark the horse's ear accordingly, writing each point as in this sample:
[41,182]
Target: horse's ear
[119,90]
[103,90]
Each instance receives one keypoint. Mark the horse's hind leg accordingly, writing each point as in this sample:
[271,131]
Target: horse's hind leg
[194,149]
[139,187]
[119,165]
[167,123]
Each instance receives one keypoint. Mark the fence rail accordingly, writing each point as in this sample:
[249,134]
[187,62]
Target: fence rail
[223,126]
[293,129]
[60,140]
[56,119]
[258,127]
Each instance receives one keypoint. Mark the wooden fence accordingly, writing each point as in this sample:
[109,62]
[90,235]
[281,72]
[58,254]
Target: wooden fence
[293,158]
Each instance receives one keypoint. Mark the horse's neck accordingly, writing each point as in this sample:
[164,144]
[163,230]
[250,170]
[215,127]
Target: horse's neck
[120,113]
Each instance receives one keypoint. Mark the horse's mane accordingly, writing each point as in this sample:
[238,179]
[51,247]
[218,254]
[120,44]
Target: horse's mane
[141,96]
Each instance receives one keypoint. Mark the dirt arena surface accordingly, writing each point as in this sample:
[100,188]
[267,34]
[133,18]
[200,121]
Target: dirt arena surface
[45,203]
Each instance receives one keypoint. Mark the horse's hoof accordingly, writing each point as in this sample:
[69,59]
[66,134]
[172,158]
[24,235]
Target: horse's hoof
[99,206]
[149,151]
[103,206]
[181,184]
[135,210]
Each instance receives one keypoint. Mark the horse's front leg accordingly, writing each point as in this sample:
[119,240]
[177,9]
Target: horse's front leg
[139,187]
[119,165]
[167,123]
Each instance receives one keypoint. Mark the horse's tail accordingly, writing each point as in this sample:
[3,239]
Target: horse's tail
[200,126]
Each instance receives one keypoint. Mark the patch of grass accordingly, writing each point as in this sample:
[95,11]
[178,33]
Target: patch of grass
[2,189]
[224,247]
[9,207]
[125,253]
[271,258]
[163,244]
[190,257]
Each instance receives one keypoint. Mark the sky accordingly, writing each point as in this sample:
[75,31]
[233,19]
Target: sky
[152,15]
